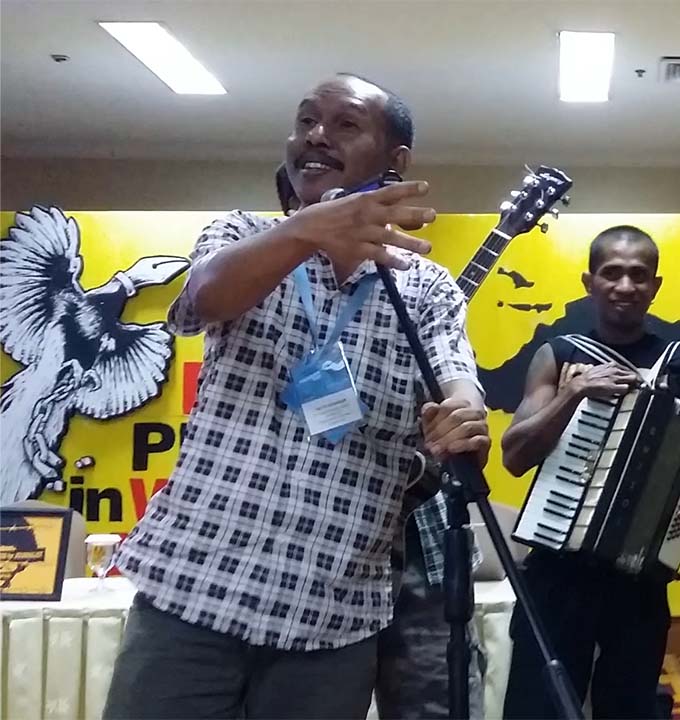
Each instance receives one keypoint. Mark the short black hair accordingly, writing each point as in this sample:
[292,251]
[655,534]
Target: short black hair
[627,233]
[397,113]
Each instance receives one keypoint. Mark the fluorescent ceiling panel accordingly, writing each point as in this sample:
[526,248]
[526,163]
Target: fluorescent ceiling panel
[586,63]
[165,56]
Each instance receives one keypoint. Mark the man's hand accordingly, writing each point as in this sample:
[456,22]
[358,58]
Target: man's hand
[597,381]
[453,427]
[359,226]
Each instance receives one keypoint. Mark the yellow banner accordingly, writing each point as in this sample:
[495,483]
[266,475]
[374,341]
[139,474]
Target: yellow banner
[112,446]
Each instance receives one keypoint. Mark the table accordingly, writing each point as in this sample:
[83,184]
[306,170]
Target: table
[57,657]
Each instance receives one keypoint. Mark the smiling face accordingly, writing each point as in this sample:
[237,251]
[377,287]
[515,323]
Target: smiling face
[340,139]
[623,285]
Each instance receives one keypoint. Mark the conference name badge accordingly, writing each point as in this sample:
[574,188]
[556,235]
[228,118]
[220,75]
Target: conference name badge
[326,393]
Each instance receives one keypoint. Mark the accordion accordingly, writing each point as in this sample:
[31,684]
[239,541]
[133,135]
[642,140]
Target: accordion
[611,486]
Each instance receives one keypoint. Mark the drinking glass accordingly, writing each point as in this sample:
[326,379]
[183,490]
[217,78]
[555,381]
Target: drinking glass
[101,550]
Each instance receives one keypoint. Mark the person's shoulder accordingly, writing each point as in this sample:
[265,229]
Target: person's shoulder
[425,265]
[657,342]
[658,346]
[428,273]
[551,351]
[230,227]
[559,342]
[560,345]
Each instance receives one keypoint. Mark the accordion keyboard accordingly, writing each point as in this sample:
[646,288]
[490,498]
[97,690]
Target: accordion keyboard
[569,483]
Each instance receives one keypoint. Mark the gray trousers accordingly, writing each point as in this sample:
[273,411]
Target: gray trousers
[171,670]
[413,679]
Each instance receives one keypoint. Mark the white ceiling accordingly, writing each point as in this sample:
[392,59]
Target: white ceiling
[480,76]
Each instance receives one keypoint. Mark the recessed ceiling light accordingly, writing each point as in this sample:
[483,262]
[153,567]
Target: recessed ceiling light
[165,56]
[586,63]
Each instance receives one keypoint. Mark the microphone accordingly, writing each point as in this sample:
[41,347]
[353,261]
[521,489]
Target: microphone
[387,178]
[333,194]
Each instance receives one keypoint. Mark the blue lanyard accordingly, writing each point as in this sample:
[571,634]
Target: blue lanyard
[348,312]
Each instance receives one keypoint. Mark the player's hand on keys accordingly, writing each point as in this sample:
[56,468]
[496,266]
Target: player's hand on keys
[603,381]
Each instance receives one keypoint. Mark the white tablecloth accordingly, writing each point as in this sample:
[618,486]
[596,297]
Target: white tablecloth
[57,658]
[494,602]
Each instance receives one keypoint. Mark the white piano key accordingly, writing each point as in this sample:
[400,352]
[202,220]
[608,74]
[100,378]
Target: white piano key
[576,538]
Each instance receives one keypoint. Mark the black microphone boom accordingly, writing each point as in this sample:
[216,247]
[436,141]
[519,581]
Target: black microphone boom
[462,482]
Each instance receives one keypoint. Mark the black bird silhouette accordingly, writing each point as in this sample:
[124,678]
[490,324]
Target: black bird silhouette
[517,278]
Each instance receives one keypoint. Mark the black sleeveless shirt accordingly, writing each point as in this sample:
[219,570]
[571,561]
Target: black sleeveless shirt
[643,353]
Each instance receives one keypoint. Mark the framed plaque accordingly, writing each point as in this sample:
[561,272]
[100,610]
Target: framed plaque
[33,546]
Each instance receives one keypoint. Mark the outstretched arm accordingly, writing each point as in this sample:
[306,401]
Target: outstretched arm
[235,278]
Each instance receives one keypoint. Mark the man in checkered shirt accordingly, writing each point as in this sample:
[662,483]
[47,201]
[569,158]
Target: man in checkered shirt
[263,566]
[412,674]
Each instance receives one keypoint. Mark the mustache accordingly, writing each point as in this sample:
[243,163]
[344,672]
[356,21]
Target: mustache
[319,157]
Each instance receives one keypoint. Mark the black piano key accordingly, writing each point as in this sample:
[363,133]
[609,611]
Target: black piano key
[550,540]
[561,504]
[564,496]
[574,446]
[557,531]
[566,468]
[558,514]
[576,455]
[589,423]
[591,414]
[569,480]
[604,401]
[557,541]
[594,443]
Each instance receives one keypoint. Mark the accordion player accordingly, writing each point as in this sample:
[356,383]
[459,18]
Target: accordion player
[611,486]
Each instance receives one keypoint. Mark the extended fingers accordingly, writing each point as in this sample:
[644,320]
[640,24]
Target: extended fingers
[388,236]
[407,216]
[397,192]
[620,373]
[382,256]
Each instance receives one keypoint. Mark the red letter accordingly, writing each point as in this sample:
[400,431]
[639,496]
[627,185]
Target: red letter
[191,371]
[139,493]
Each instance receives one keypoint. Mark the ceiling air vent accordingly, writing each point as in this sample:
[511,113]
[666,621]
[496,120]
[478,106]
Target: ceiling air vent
[669,70]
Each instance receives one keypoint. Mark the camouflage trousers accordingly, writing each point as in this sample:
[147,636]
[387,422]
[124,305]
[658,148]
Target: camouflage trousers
[412,677]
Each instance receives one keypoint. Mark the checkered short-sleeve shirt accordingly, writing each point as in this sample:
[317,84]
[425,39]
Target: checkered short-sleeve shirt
[262,532]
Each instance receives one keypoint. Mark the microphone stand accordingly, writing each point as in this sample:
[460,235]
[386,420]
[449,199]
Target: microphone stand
[462,482]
